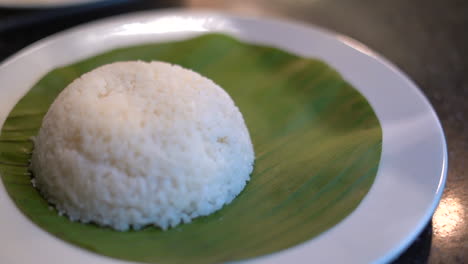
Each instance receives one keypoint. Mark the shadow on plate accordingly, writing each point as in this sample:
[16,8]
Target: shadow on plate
[419,251]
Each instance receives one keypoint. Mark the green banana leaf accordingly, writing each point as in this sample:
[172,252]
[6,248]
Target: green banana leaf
[317,143]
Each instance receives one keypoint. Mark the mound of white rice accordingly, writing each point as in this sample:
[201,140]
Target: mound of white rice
[134,143]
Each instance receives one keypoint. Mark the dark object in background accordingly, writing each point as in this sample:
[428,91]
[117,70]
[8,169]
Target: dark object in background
[22,26]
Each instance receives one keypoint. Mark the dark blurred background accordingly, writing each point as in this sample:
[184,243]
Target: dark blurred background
[428,40]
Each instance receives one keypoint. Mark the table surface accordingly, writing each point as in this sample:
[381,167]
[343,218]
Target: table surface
[428,40]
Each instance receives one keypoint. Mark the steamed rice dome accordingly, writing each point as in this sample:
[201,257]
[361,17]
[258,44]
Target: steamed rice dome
[134,143]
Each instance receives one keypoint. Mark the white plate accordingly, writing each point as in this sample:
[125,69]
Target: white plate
[410,178]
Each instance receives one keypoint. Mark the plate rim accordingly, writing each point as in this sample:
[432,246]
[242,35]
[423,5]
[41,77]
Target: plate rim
[351,43]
